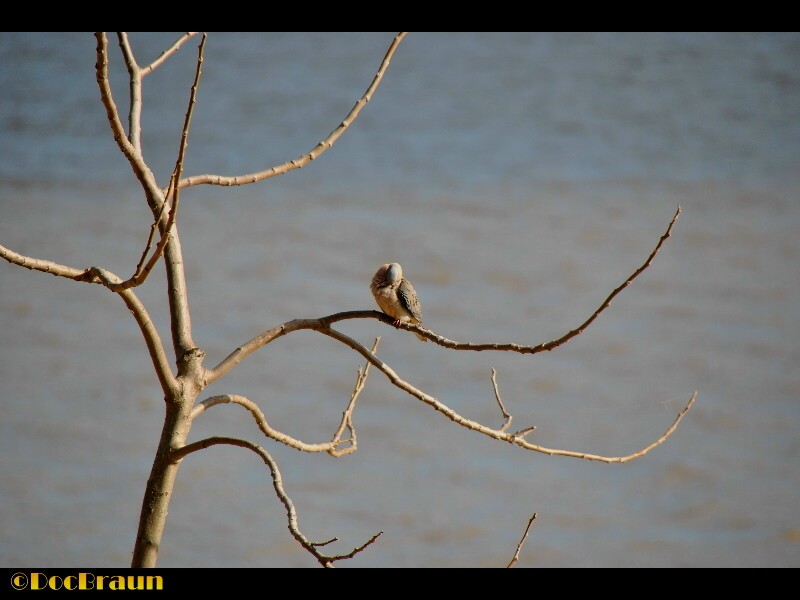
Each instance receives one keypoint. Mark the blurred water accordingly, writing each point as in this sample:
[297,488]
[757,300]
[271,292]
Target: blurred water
[518,178]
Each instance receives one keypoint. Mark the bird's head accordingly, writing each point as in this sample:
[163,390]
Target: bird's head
[394,273]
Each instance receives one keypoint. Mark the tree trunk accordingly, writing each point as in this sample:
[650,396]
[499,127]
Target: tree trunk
[160,484]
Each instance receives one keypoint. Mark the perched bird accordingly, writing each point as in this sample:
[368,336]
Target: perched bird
[396,297]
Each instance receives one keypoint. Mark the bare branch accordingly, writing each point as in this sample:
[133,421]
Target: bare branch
[180,319]
[153,227]
[515,558]
[38,264]
[303,160]
[268,336]
[107,279]
[330,541]
[143,270]
[347,415]
[127,53]
[135,90]
[277,483]
[261,421]
[140,168]
[323,326]
[167,53]
[507,416]
[547,346]
[525,431]
[176,283]
[488,431]
[141,274]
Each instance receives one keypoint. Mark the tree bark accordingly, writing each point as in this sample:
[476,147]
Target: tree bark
[161,482]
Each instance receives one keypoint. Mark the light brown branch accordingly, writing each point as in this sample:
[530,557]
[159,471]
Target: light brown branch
[547,346]
[303,160]
[45,266]
[180,319]
[511,438]
[141,274]
[143,270]
[323,326]
[167,53]
[347,415]
[140,168]
[127,53]
[525,431]
[261,421]
[135,90]
[507,416]
[153,228]
[277,482]
[107,279]
[515,558]
[268,336]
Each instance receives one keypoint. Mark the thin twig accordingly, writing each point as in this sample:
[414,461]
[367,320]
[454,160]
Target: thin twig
[523,432]
[507,416]
[150,237]
[167,53]
[515,558]
[347,415]
[277,482]
[141,273]
[107,279]
[135,90]
[303,160]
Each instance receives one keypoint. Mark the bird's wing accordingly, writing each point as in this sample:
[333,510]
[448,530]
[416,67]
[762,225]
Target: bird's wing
[408,298]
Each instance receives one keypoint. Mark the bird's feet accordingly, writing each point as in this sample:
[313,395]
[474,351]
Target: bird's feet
[397,323]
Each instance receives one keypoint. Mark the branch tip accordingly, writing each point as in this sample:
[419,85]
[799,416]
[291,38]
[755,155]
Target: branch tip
[301,161]
[515,558]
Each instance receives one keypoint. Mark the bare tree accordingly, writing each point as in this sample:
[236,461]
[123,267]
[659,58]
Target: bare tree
[183,382]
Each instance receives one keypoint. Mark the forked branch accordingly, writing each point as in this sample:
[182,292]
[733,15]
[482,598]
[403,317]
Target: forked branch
[109,280]
[141,273]
[277,482]
[261,421]
[323,325]
[176,282]
[333,447]
[518,438]
[167,53]
[347,415]
[303,160]
[129,150]
[270,335]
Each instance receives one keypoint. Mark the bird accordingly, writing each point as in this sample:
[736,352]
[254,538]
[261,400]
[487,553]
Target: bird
[396,296]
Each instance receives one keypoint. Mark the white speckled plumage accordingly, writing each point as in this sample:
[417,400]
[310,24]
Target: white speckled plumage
[396,296]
